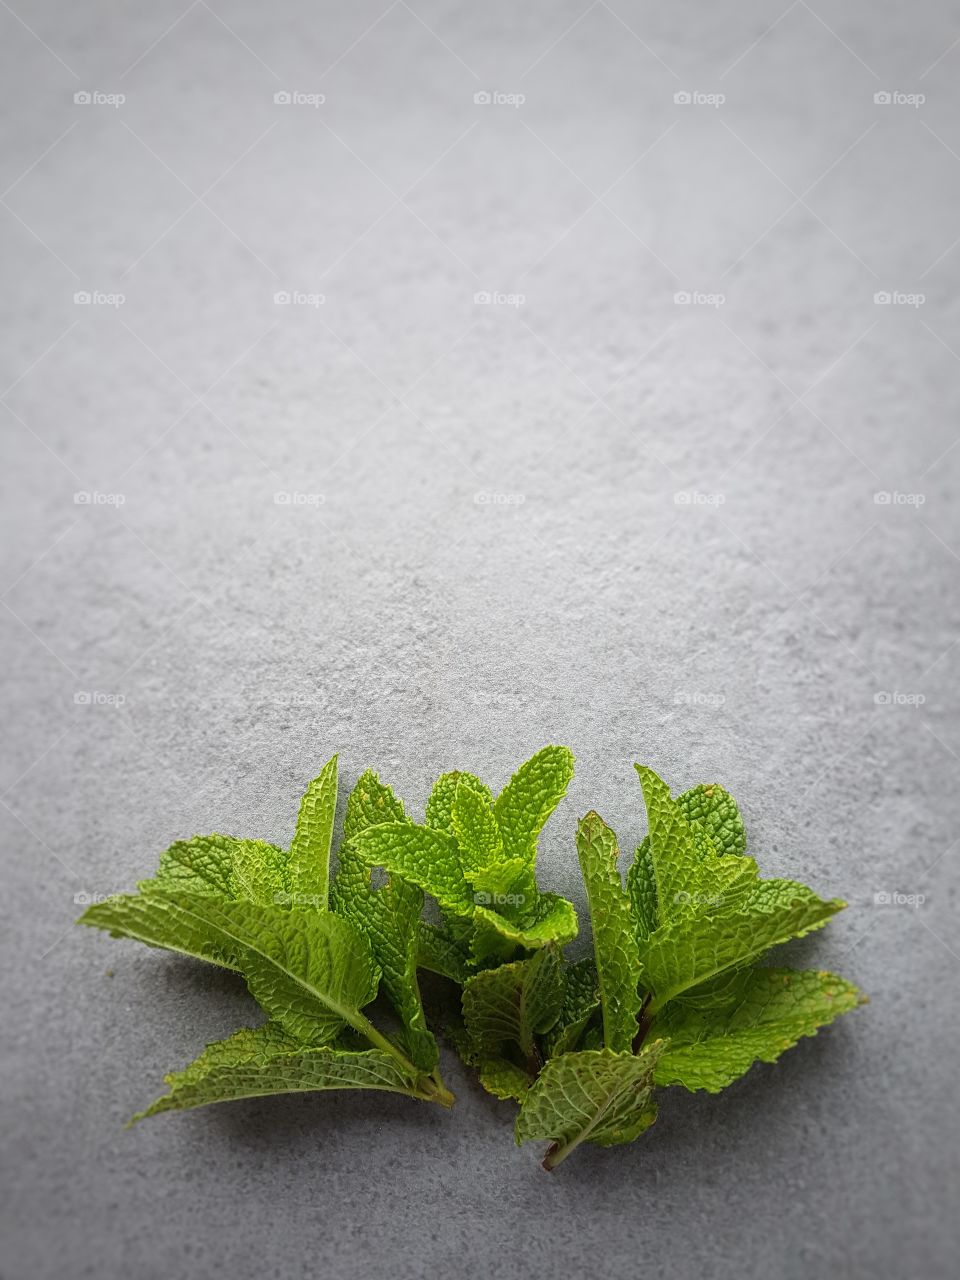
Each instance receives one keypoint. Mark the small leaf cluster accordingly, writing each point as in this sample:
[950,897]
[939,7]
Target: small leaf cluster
[673,993]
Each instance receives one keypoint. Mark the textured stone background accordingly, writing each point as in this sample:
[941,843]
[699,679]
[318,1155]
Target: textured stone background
[415,628]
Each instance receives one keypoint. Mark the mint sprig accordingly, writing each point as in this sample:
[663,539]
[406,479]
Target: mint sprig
[673,994]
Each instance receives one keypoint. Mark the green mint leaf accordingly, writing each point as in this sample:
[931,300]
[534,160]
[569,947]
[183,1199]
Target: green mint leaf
[709,809]
[715,810]
[761,1013]
[688,872]
[308,873]
[387,916]
[581,999]
[370,803]
[310,970]
[423,856]
[553,919]
[479,842]
[642,891]
[254,1064]
[440,952]
[514,1003]
[226,866]
[143,918]
[594,1095]
[686,952]
[439,813]
[614,939]
[529,798]
[502,1078]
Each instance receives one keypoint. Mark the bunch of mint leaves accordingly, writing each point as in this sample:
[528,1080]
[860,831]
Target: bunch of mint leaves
[672,995]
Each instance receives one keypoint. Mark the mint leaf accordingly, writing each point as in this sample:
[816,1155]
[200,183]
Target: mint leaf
[254,1064]
[715,810]
[529,798]
[760,1014]
[514,1003]
[686,952]
[440,952]
[480,844]
[594,1095]
[439,813]
[614,940]
[141,917]
[707,808]
[370,803]
[502,1078]
[689,874]
[226,866]
[310,970]
[553,919]
[581,999]
[388,916]
[421,855]
[308,875]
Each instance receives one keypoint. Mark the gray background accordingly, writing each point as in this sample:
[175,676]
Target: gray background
[753,629]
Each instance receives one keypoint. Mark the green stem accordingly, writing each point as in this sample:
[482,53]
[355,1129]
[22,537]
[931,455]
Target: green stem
[429,1088]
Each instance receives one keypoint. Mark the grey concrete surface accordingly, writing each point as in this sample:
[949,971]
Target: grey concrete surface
[677,556]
